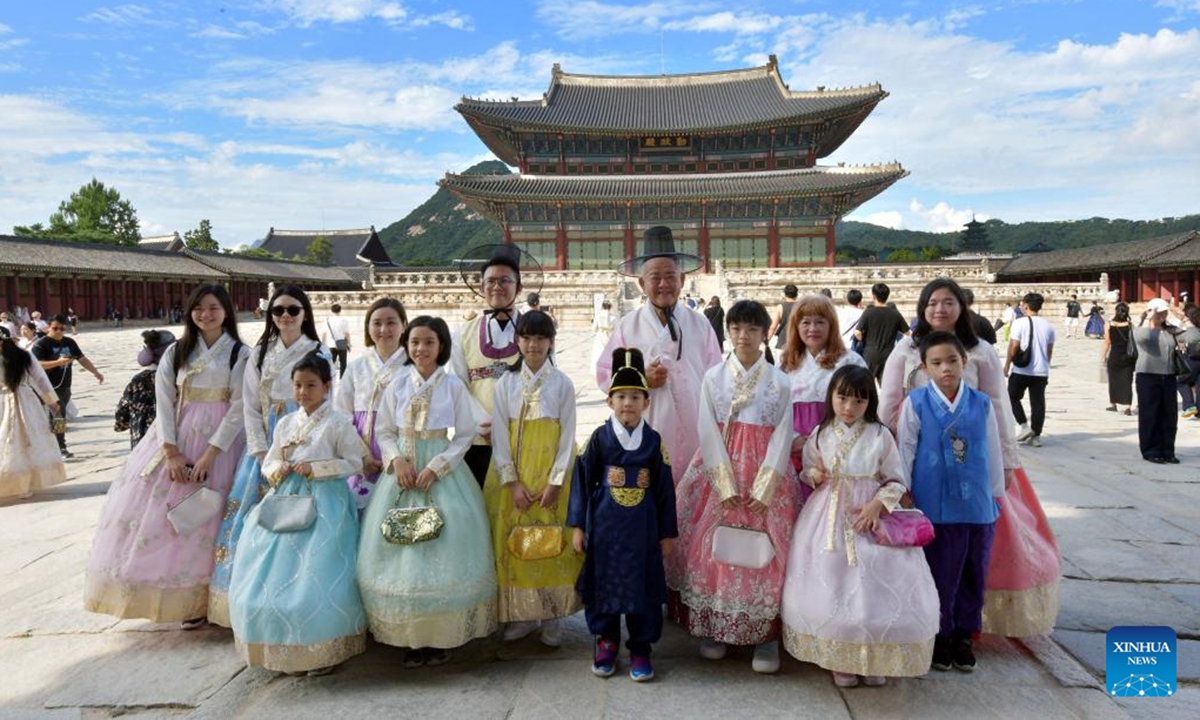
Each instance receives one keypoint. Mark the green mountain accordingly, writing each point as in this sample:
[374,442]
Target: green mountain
[442,227]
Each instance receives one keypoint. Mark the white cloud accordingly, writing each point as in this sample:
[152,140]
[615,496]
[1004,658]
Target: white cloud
[941,218]
[309,12]
[574,20]
[888,219]
[728,22]
[121,15]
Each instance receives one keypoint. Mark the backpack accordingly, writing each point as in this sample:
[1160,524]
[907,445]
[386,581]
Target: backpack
[1023,356]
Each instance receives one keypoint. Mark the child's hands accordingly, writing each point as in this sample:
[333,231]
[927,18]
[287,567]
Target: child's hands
[371,466]
[406,474]
[303,468]
[425,480]
[200,469]
[868,517]
[798,444]
[577,540]
[756,506]
[817,473]
[667,544]
[731,503]
[520,495]
[549,496]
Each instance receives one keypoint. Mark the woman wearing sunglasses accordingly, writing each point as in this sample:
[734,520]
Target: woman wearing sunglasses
[288,336]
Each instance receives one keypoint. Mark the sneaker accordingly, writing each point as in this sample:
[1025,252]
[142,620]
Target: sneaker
[1128,411]
[551,633]
[942,659]
[766,658]
[640,669]
[1189,413]
[25,495]
[67,454]
[518,630]
[436,656]
[844,680]
[964,657]
[193,624]
[874,680]
[1035,441]
[712,650]
[604,664]
[413,658]
[1024,432]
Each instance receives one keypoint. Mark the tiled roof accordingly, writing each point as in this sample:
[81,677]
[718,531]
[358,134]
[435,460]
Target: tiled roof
[350,247]
[1185,254]
[166,243]
[1100,258]
[36,254]
[243,266]
[672,103]
[807,182]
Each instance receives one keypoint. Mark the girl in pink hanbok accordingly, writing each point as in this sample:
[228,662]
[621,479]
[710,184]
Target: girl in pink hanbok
[1022,582]
[850,605]
[153,553]
[365,382]
[737,502]
[30,459]
[813,351]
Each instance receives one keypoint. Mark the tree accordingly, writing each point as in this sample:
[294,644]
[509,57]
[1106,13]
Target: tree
[253,252]
[974,237]
[201,238]
[320,251]
[94,213]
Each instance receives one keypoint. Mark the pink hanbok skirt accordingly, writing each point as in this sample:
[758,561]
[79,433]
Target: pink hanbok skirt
[727,603]
[140,567]
[866,609]
[1022,582]
[806,416]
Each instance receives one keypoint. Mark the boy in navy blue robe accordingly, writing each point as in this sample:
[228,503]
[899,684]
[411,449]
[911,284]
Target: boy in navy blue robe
[623,510]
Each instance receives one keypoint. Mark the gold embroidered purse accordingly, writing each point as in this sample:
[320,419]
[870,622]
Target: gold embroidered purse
[535,542]
[412,525]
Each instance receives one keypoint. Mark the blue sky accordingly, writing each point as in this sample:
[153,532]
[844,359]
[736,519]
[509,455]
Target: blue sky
[304,114]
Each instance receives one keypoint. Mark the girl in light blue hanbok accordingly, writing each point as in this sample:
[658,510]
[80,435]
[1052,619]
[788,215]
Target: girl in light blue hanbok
[293,598]
[290,334]
[438,594]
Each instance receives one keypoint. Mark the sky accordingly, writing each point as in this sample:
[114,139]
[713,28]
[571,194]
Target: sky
[311,114]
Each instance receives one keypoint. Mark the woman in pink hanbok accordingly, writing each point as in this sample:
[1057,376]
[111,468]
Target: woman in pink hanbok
[813,351]
[851,605]
[146,561]
[30,459]
[740,478]
[1023,574]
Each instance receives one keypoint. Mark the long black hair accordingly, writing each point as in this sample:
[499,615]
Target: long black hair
[854,381]
[16,363]
[963,327]
[308,327]
[191,331]
[534,322]
[751,312]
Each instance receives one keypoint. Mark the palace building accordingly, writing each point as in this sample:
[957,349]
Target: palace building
[726,159]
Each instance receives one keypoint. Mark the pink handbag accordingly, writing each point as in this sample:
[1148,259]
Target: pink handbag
[903,528]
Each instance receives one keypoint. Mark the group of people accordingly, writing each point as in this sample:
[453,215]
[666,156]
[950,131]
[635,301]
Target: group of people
[440,492]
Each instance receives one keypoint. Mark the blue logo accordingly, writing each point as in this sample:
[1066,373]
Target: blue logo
[1140,661]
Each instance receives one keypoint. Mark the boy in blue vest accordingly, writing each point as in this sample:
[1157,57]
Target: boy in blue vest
[951,447]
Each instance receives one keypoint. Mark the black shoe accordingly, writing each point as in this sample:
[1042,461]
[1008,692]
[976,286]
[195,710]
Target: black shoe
[1156,460]
[964,657]
[67,454]
[942,659]
[1171,460]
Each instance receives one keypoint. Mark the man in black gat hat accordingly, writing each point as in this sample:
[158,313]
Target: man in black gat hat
[678,344]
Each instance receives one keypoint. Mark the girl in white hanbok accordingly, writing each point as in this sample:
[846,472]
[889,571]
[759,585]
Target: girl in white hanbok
[142,563]
[367,379]
[850,605]
[29,455]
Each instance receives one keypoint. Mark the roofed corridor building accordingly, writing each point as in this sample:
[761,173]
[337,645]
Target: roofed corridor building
[726,159]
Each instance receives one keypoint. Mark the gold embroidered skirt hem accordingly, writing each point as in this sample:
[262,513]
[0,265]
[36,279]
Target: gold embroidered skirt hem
[161,605]
[301,658]
[1021,613]
[27,481]
[518,604]
[858,658]
[436,630]
[218,608]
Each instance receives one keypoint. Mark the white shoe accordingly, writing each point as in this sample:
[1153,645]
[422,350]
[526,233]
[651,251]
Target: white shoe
[1024,432]
[518,630]
[1035,441]
[766,658]
[551,633]
[712,650]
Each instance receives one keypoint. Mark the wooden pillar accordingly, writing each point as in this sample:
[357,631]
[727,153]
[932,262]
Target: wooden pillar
[146,309]
[630,241]
[560,242]
[771,151]
[562,156]
[629,156]
[10,291]
[702,243]
[43,295]
[830,243]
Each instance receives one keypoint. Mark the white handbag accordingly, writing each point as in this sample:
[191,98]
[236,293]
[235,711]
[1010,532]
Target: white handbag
[195,510]
[742,547]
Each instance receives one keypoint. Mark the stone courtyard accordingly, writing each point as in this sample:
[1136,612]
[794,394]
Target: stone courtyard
[1129,533]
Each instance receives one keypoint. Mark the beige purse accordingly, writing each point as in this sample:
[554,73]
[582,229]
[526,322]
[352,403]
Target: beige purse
[742,547]
[195,510]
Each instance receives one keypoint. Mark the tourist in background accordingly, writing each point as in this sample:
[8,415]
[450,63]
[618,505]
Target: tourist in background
[1095,323]
[137,407]
[878,329]
[7,327]
[73,320]
[57,354]
[602,326]
[779,321]
[848,317]
[28,335]
[716,317]
[335,334]
[145,563]
[366,382]
[1074,311]
[1036,334]
[289,334]
[983,329]
[1158,408]
[38,323]
[1189,342]
[1119,357]
[30,459]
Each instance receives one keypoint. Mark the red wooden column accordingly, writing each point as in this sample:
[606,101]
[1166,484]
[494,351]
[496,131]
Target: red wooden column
[560,242]
[10,291]
[630,241]
[562,157]
[165,294]
[773,236]
[702,243]
[147,304]
[43,295]
[771,152]
[830,243]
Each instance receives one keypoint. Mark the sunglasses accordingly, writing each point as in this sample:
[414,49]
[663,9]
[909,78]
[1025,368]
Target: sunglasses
[292,310]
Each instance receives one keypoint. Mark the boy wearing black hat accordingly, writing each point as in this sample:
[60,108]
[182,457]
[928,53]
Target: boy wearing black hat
[623,510]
